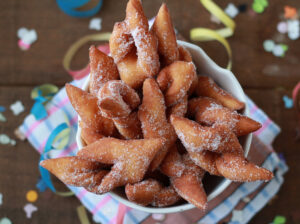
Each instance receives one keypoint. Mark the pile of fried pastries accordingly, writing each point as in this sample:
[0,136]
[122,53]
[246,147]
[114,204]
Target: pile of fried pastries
[150,124]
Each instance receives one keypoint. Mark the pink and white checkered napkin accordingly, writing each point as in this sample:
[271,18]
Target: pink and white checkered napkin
[105,208]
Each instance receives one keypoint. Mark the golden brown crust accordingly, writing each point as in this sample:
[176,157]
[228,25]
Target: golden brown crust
[86,106]
[131,159]
[237,168]
[207,87]
[164,31]
[153,119]
[102,69]
[175,80]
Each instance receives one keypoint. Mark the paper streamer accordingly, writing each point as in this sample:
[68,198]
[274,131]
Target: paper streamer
[80,8]
[59,137]
[79,74]
[81,212]
[41,94]
[204,34]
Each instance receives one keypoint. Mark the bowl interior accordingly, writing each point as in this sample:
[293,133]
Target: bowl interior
[213,185]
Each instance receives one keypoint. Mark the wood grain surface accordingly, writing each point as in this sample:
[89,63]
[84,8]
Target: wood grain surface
[20,71]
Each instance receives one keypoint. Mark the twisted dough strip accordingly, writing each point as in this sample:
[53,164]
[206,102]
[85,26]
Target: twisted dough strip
[120,42]
[179,109]
[237,168]
[175,80]
[86,106]
[102,69]
[208,111]
[186,177]
[154,122]
[197,138]
[207,87]
[131,159]
[134,47]
[164,31]
[76,171]
[117,101]
[150,191]
[144,40]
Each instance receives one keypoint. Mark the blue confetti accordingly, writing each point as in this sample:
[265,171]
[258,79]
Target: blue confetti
[2,109]
[41,185]
[288,102]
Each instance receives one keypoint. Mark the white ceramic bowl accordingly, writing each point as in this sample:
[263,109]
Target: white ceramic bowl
[224,78]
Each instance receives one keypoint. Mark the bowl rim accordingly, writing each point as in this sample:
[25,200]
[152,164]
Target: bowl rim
[225,182]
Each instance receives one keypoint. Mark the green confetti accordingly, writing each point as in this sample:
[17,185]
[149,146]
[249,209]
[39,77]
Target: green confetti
[279,220]
[284,47]
[259,5]
[5,221]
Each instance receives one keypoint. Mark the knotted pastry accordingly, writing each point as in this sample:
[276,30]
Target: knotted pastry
[175,80]
[89,135]
[131,159]
[86,106]
[208,111]
[152,192]
[152,114]
[117,101]
[207,87]
[76,171]
[186,177]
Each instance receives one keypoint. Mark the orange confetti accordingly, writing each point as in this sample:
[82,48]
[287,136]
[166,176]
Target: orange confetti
[31,196]
[290,12]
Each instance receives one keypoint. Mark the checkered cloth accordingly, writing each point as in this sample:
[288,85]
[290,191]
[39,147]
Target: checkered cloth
[105,208]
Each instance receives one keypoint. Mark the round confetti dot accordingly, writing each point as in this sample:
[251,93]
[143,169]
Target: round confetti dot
[282,27]
[4,139]
[278,51]
[269,45]
[293,35]
[5,221]
[258,8]
[31,196]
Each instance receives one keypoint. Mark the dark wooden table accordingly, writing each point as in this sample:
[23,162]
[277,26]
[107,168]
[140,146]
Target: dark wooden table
[20,71]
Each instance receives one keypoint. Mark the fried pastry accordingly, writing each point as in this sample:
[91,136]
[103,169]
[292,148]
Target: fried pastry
[197,138]
[76,171]
[184,54]
[207,87]
[102,69]
[86,106]
[152,114]
[117,101]
[131,159]
[152,192]
[238,168]
[208,111]
[186,177]
[175,80]
[89,135]
[164,31]
[120,42]
[179,109]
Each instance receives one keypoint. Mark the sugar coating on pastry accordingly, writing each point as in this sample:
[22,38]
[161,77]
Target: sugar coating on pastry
[207,87]
[238,168]
[164,31]
[102,69]
[117,99]
[86,106]
[76,171]
[150,191]
[131,159]
[197,138]
[152,114]
[175,80]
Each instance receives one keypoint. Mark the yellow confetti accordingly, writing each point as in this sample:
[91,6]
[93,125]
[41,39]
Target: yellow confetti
[32,196]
